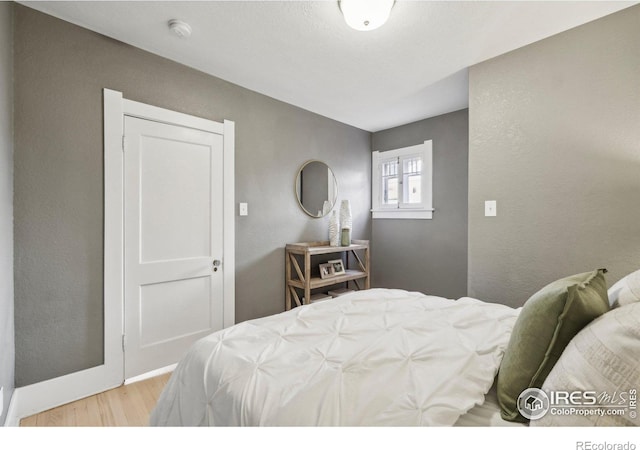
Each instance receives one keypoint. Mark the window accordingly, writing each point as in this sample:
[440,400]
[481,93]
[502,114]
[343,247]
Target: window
[401,183]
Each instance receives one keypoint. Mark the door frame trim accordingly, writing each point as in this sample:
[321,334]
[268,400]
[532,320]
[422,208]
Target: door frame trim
[116,108]
[44,395]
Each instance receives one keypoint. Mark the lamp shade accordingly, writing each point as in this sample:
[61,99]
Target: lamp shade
[366,15]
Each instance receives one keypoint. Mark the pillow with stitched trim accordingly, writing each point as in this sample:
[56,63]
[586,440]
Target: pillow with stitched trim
[625,291]
[603,358]
[549,319]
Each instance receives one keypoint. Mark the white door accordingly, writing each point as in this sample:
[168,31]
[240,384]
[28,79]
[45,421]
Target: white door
[173,236]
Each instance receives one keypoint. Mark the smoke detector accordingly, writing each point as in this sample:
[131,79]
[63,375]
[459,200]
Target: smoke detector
[182,29]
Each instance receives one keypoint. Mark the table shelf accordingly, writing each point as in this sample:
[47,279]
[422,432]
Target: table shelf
[299,270]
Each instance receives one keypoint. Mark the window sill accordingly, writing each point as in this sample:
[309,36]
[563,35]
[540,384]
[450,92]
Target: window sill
[402,214]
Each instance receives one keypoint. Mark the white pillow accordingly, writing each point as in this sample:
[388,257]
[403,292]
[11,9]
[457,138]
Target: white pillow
[625,291]
[631,292]
[602,357]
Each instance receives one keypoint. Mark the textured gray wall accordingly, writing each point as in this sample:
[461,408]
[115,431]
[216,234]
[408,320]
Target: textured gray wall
[60,72]
[429,256]
[555,139]
[6,206]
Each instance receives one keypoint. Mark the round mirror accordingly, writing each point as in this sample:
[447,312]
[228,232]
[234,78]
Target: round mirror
[316,188]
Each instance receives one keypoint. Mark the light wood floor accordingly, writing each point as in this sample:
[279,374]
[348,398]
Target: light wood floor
[128,405]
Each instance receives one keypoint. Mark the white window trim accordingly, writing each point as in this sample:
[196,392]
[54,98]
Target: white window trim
[403,211]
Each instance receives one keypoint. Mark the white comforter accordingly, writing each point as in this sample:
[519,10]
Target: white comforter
[376,357]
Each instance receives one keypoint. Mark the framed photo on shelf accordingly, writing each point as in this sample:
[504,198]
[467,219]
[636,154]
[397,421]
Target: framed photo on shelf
[326,270]
[338,266]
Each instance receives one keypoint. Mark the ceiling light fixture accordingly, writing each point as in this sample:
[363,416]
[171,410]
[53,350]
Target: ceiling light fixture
[366,15]
[180,28]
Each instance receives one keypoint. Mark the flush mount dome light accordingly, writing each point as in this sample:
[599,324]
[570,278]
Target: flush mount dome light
[366,15]
[180,28]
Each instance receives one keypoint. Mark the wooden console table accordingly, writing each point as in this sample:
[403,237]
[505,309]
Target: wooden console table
[299,271]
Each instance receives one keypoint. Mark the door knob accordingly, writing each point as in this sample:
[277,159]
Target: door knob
[216,263]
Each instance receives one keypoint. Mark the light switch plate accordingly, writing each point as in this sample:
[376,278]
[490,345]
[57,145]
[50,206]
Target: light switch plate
[490,208]
[244,209]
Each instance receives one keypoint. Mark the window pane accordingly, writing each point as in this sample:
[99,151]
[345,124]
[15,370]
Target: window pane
[414,189]
[390,183]
[412,180]
[390,191]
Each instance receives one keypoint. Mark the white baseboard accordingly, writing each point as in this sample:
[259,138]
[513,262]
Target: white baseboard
[12,420]
[153,373]
[38,397]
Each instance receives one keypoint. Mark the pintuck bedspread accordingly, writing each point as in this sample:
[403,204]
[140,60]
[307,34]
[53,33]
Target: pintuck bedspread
[372,358]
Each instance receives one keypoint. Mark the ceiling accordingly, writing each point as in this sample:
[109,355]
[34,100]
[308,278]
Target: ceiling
[303,53]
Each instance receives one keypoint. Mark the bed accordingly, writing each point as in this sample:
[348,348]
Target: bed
[486,413]
[389,357]
[380,357]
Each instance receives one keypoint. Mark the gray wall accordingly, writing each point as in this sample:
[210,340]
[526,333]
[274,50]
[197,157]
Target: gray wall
[429,256]
[7,353]
[60,70]
[555,139]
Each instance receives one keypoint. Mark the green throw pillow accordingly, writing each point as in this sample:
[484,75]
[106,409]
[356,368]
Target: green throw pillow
[546,324]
